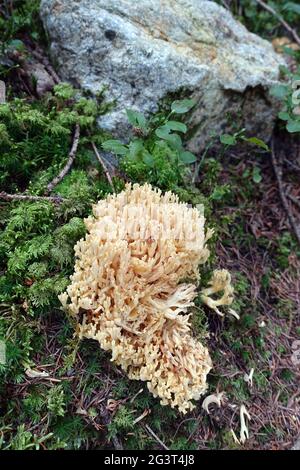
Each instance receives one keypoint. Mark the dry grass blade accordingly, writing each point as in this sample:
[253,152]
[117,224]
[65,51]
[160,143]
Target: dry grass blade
[152,433]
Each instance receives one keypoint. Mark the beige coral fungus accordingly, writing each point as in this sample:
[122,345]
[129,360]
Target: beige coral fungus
[128,286]
[220,283]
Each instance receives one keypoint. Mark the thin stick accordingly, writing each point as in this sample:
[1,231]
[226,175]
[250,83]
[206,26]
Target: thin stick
[103,165]
[2,92]
[27,197]
[280,19]
[66,168]
[156,437]
[278,173]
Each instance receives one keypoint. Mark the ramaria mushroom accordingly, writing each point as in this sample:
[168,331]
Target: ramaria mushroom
[127,290]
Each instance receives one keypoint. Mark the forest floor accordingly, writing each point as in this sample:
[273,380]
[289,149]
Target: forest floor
[57,392]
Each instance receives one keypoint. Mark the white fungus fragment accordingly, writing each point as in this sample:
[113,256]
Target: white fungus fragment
[249,377]
[214,398]
[244,432]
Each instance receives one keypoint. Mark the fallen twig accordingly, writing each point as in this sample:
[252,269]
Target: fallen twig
[278,174]
[66,168]
[156,437]
[27,197]
[101,161]
[2,92]
[280,19]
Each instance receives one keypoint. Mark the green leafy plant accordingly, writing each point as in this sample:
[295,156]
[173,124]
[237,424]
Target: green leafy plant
[289,94]
[263,22]
[17,16]
[229,140]
[156,152]
[56,401]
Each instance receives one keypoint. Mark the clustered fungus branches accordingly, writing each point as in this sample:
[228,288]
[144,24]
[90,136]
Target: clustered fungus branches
[127,290]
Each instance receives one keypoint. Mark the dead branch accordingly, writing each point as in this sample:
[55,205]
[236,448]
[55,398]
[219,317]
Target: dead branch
[2,92]
[27,197]
[280,19]
[66,168]
[278,174]
[101,161]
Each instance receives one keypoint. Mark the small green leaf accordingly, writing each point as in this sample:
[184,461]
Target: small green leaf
[256,175]
[17,45]
[279,91]
[246,173]
[220,192]
[176,126]
[115,146]
[228,139]
[293,7]
[148,159]
[182,106]
[256,141]
[136,119]
[135,149]
[175,141]
[284,116]
[187,157]
[163,132]
[293,126]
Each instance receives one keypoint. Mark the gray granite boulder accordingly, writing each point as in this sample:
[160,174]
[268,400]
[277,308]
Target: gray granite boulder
[145,51]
